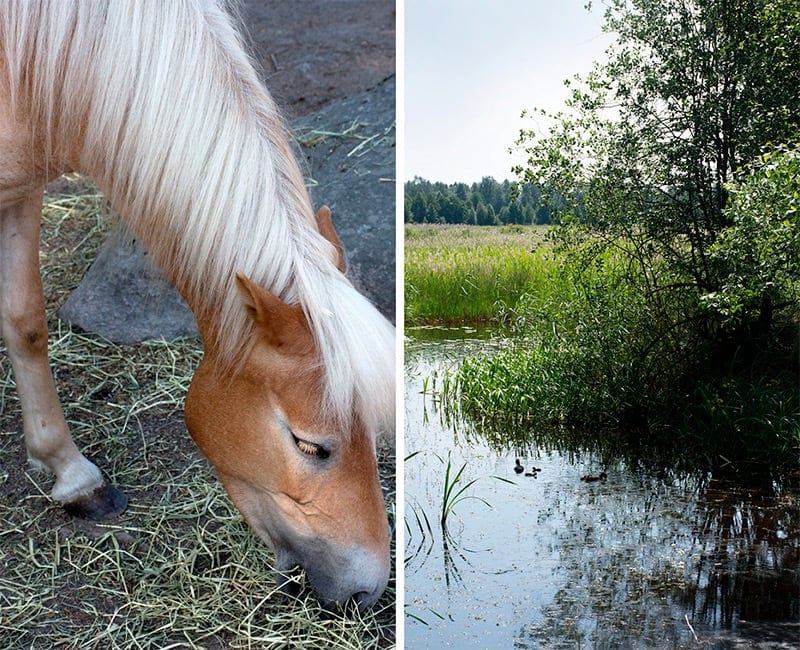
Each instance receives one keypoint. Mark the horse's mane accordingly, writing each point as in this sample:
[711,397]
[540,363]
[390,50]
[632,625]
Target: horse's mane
[159,103]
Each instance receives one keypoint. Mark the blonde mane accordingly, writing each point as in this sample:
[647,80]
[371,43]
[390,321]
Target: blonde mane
[160,105]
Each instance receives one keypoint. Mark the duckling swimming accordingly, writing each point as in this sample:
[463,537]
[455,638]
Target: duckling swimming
[518,468]
[591,478]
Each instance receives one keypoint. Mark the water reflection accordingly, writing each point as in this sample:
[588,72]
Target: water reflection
[646,559]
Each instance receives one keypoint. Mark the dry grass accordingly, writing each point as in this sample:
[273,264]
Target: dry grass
[179,569]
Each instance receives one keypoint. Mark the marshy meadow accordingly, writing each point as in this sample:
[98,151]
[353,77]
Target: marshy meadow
[602,356]
[531,345]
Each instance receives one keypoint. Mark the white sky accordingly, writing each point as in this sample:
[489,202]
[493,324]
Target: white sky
[471,66]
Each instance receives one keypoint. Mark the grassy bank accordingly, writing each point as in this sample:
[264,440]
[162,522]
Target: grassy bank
[595,360]
[472,273]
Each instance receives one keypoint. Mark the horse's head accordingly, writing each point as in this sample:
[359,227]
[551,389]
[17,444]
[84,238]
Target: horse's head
[307,487]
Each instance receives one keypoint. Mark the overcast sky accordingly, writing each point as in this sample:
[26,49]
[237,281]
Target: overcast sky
[471,66]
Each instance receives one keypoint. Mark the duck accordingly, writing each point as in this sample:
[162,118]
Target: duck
[518,468]
[534,472]
[591,478]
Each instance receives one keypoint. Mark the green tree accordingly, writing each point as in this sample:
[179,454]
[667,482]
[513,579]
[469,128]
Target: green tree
[758,255]
[691,93]
[491,193]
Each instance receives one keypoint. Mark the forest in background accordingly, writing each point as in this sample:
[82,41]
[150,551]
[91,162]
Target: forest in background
[486,203]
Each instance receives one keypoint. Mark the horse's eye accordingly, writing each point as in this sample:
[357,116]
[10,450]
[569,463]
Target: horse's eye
[311,448]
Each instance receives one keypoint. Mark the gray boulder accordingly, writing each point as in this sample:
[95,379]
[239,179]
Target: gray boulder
[350,150]
[125,298]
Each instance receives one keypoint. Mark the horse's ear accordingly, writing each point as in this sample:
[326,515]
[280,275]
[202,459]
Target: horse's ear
[282,325]
[326,229]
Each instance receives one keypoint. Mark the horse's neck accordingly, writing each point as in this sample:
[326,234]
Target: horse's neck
[159,103]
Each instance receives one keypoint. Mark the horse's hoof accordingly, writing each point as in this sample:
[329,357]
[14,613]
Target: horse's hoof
[105,502]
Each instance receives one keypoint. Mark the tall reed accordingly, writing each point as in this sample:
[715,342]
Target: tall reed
[471,273]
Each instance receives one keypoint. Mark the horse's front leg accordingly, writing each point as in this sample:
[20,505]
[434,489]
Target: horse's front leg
[79,485]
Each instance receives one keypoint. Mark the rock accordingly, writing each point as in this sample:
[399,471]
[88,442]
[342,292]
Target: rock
[353,172]
[124,298]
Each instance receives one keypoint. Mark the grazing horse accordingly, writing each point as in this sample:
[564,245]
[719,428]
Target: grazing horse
[159,104]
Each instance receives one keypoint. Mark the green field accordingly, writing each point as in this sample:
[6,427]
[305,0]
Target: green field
[473,273]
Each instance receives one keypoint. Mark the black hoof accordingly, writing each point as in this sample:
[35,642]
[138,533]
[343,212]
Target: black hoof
[105,502]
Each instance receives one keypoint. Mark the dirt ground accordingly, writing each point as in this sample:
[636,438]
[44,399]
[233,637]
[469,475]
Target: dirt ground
[314,51]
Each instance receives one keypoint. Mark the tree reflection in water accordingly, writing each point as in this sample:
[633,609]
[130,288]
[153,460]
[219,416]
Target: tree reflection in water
[653,557]
[719,557]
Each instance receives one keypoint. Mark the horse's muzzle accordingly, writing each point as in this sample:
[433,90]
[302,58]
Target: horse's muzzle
[339,575]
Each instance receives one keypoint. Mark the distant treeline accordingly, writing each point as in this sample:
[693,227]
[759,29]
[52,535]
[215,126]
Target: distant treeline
[487,203]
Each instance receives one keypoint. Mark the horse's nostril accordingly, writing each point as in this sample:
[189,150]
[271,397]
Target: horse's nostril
[365,599]
[359,580]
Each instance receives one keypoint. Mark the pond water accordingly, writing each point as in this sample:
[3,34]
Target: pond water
[644,559]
